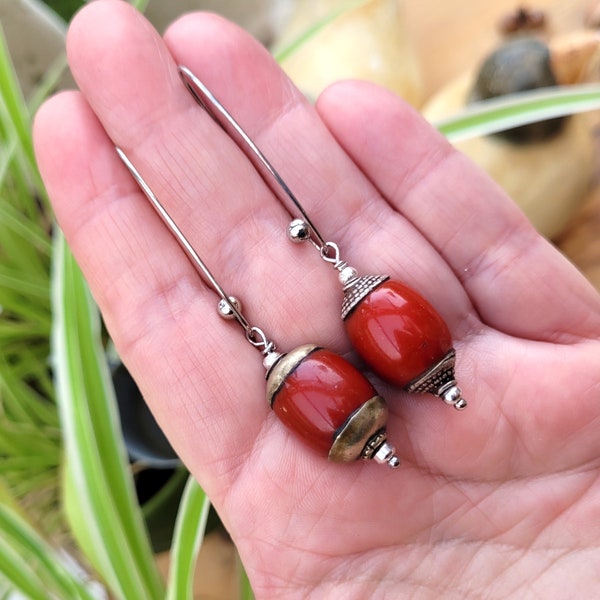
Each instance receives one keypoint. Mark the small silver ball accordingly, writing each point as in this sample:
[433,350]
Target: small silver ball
[298,231]
[461,404]
[387,455]
[270,359]
[394,462]
[452,395]
[347,274]
[225,310]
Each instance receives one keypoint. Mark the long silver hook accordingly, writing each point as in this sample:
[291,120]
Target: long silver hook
[213,107]
[254,334]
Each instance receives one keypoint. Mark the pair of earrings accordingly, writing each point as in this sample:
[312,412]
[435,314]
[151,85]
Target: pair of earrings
[316,393]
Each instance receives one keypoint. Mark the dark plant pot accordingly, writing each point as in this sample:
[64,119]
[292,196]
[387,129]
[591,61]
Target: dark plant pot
[160,481]
[144,439]
[160,484]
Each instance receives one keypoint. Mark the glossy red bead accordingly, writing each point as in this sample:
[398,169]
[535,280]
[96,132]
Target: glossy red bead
[318,395]
[397,332]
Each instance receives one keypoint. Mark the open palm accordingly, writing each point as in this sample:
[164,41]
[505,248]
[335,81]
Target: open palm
[499,500]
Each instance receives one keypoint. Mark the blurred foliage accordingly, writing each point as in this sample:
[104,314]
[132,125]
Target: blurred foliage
[65,8]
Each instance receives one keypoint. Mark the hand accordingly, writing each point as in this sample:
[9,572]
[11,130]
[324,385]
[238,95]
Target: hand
[502,499]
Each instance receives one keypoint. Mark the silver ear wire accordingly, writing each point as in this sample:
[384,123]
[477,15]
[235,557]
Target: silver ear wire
[354,431]
[356,288]
[229,307]
[223,117]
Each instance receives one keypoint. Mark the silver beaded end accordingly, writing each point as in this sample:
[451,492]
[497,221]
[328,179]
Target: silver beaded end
[387,455]
[298,231]
[224,308]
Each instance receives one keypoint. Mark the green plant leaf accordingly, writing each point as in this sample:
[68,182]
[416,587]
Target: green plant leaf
[246,592]
[29,231]
[282,54]
[19,573]
[140,4]
[155,506]
[99,493]
[30,564]
[49,82]
[20,402]
[16,107]
[498,114]
[189,533]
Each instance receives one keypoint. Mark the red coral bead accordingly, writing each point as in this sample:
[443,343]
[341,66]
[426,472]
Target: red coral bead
[315,393]
[397,332]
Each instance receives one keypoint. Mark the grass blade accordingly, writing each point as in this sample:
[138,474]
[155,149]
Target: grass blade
[20,402]
[99,494]
[189,533]
[29,232]
[498,114]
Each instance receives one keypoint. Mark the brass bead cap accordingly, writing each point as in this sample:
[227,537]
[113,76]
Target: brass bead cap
[360,427]
[283,368]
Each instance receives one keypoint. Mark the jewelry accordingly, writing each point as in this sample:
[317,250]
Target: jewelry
[393,328]
[317,394]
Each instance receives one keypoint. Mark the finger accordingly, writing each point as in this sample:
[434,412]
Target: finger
[518,282]
[161,317]
[205,182]
[343,204]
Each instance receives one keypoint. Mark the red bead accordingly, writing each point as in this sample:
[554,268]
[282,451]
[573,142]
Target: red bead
[318,395]
[397,332]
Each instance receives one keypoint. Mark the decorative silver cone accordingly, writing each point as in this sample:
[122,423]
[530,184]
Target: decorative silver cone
[440,381]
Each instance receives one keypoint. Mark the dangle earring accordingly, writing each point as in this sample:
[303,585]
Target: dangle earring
[393,328]
[317,394]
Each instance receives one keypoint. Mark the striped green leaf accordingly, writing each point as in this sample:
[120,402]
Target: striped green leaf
[99,494]
[29,564]
[189,533]
[498,114]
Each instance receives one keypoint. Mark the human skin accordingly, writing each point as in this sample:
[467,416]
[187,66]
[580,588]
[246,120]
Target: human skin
[501,500]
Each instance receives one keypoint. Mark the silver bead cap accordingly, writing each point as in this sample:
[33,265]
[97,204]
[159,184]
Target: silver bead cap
[440,381]
[357,290]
